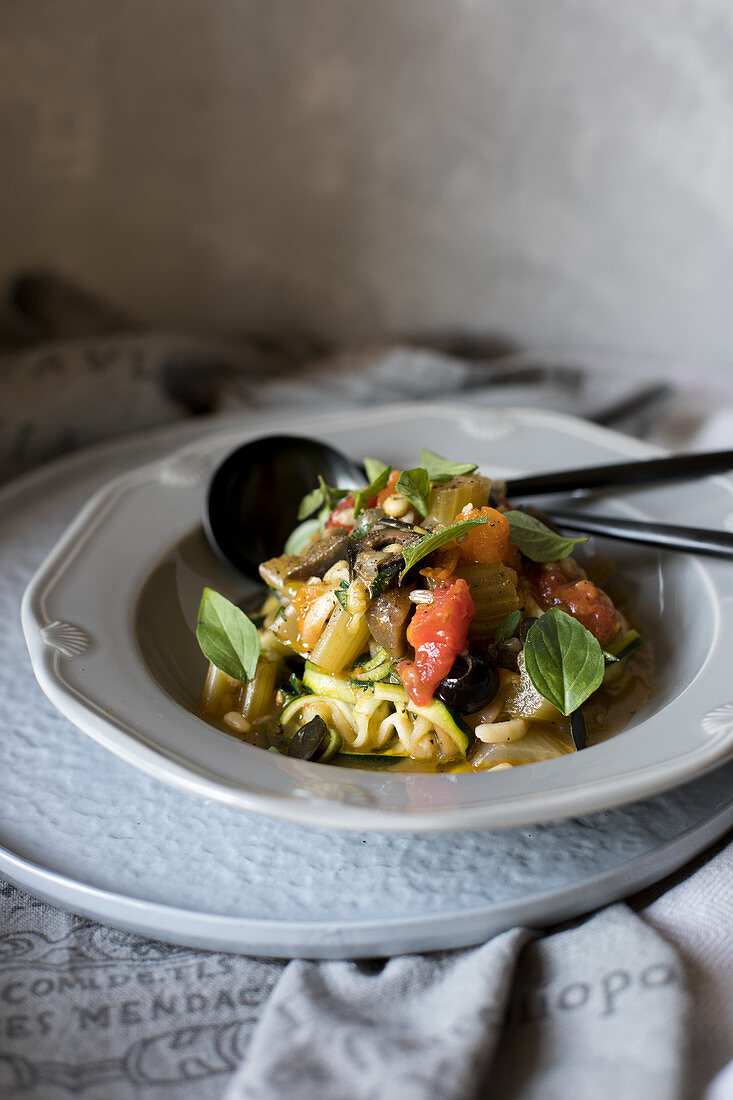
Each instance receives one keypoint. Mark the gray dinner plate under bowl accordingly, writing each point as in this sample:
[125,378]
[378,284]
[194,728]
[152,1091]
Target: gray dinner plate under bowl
[89,832]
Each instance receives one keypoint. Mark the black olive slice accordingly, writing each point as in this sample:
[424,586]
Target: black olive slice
[471,683]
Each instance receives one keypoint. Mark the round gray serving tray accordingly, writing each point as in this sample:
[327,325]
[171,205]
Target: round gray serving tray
[85,830]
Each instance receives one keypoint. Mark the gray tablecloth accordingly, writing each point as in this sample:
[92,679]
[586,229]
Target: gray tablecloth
[636,1000]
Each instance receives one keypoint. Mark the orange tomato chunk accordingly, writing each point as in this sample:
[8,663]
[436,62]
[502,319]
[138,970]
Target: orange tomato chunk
[489,543]
[389,488]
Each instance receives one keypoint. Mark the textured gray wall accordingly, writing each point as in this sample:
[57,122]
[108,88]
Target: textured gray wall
[558,170]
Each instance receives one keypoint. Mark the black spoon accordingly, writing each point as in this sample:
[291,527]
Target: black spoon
[254,495]
[695,540]
[644,472]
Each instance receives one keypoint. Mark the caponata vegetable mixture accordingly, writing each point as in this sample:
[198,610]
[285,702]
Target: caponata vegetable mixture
[422,623]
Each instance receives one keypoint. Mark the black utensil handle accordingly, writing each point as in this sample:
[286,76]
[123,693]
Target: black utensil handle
[673,467]
[694,540]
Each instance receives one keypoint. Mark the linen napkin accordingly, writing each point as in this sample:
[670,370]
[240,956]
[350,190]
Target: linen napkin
[609,1006]
[634,1000]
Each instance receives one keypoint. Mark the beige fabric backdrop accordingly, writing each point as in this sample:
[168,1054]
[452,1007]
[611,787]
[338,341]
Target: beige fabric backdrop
[560,172]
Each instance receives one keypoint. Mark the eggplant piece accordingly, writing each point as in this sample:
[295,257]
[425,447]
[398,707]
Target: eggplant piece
[387,617]
[381,550]
[321,555]
[275,572]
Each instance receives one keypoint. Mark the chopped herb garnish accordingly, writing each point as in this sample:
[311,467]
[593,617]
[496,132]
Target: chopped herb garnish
[414,485]
[563,660]
[507,627]
[536,541]
[297,687]
[228,638]
[441,469]
[294,689]
[383,579]
[342,594]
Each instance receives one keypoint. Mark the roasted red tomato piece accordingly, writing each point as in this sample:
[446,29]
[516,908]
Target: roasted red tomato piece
[583,599]
[438,632]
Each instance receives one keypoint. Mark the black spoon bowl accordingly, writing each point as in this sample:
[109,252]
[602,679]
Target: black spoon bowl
[253,498]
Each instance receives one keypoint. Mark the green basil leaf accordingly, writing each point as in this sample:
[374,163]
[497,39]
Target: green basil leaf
[227,636]
[309,503]
[363,496]
[374,467]
[563,660]
[507,627]
[301,535]
[415,487]
[441,469]
[536,541]
[424,546]
[331,494]
[326,496]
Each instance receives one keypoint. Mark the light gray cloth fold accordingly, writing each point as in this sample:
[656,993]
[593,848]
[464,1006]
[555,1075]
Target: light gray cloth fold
[410,1028]
[598,1011]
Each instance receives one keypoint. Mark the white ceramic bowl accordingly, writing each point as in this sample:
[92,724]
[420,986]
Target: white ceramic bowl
[110,618]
